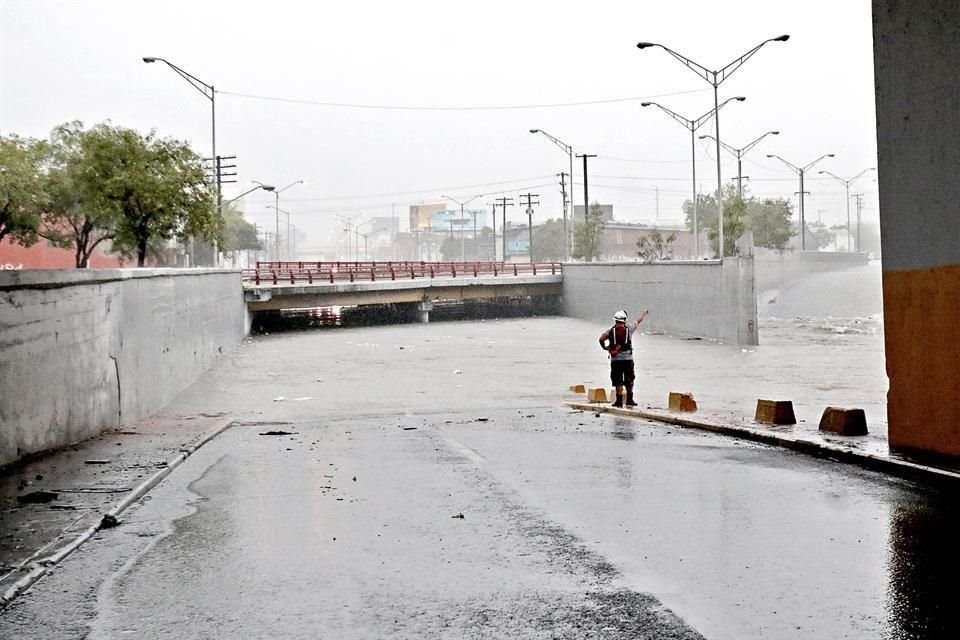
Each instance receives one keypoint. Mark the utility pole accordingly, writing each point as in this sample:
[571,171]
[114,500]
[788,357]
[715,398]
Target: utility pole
[656,214]
[530,203]
[586,192]
[494,205]
[504,203]
[859,197]
[563,194]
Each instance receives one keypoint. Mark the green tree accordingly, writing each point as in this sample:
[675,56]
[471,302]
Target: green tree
[548,241]
[75,217]
[22,187]
[818,235]
[655,247]
[769,219]
[588,234]
[156,186]
[238,234]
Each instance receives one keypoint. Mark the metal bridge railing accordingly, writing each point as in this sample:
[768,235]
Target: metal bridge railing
[276,273]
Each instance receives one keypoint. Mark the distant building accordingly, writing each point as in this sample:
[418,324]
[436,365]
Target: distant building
[421,215]
[620,240]
[605,209]
[43,255]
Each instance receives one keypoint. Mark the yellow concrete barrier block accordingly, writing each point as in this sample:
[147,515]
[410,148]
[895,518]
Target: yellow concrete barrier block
[681,401]
[578,388]
[775,412]
[598,394]
[846,422]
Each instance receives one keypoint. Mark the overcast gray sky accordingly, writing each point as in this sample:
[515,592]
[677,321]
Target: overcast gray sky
[62,60]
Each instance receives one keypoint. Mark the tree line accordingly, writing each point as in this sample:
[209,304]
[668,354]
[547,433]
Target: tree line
[111,187]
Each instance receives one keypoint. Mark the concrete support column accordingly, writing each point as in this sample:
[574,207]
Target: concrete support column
[916,57]
[423,311]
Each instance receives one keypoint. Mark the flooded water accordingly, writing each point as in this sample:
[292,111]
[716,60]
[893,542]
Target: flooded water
[431,484]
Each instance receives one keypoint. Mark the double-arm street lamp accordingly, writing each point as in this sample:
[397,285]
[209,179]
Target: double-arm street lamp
[715,78]
[351,228]
[567,232]
[846,184]
[800,171]
[739,153]
[463,253]
[692,126]
[276,206]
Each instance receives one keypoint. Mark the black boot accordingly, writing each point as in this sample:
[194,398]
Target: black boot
[618,402]
[630,402]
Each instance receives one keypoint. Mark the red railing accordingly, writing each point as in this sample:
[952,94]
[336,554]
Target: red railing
[276,273]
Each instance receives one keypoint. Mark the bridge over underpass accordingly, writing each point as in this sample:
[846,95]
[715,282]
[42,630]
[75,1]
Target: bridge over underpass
[276,286]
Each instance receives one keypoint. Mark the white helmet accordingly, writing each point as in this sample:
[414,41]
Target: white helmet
[620,316]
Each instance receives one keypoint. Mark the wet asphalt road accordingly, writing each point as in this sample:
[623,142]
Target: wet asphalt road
[574,526]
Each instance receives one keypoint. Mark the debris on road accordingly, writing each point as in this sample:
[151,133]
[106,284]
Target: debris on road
[278,433]
[96,461]
[109,521]
[458,516]
[37,497]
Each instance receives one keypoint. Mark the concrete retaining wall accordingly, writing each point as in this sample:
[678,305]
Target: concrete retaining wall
[82,351]
[701,299]
[774,270]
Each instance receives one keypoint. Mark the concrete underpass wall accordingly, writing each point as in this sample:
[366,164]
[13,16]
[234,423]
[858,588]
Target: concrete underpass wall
[916,57]
[774,270]
[699,299]
[82,351]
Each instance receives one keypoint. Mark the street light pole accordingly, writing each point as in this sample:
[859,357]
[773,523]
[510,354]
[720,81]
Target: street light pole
[715,78]
[265,187]
[276,206]
[692,126]
[210,93]
[462,230]
[801,171]
[739,153]
[567,231]
[846,184]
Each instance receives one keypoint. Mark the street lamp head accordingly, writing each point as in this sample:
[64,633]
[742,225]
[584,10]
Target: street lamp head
[821,171]
[534,130]
[704,137]
[267,187]
[149,59]
[645,45]
[782,38]
[830,155]
[770,155]
[645,104]
[774,133]
[740,98]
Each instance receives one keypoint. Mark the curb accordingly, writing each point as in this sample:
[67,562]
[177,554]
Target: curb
[893,466]
[41,566]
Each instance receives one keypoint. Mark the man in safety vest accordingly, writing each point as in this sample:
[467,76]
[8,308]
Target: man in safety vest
[618,342]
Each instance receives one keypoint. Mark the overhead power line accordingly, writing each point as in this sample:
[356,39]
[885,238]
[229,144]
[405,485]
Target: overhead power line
[423,191]
[389,107]
[373,206]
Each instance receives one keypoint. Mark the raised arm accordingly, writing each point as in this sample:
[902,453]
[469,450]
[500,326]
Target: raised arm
[642,316]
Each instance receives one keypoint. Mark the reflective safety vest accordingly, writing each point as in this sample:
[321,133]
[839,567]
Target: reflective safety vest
[621,342]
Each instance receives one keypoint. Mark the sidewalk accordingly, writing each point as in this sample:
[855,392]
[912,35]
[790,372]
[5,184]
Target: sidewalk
[813,362]
[53,503]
